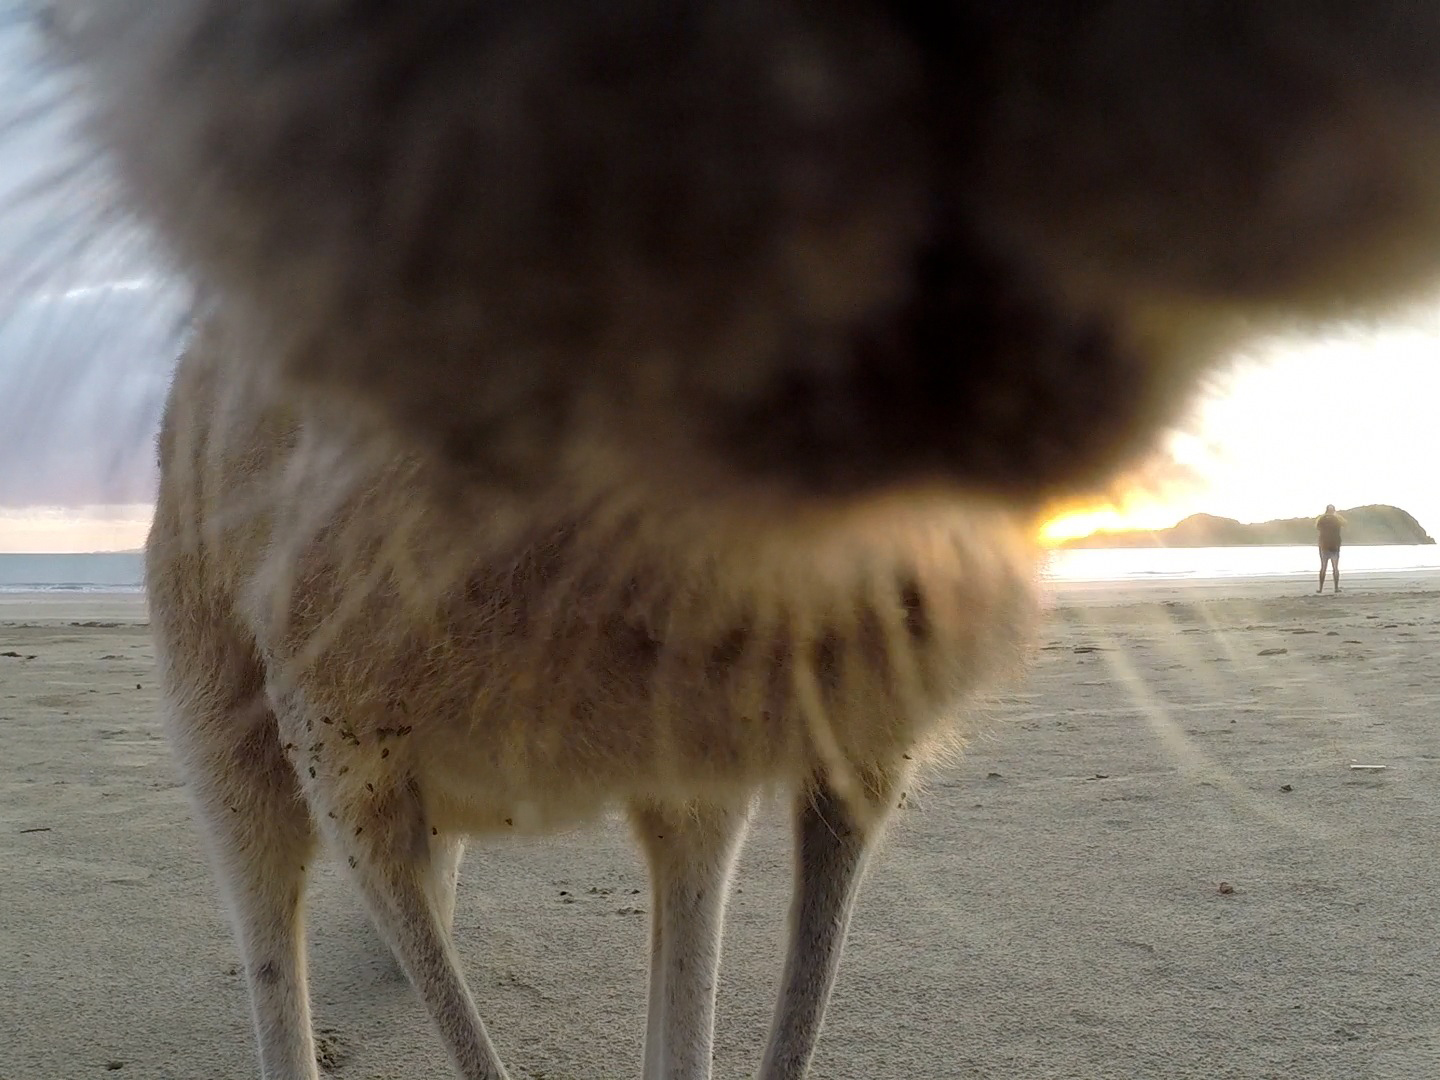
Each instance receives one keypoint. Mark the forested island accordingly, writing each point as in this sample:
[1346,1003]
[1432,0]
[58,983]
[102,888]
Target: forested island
[1375,524]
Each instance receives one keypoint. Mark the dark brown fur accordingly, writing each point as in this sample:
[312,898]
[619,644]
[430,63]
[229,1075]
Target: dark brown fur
[760,243]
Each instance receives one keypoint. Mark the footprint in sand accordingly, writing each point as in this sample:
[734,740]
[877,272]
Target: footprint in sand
[330,1049]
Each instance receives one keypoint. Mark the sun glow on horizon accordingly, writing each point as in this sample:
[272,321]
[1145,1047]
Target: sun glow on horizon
[61,531]
[1076,524]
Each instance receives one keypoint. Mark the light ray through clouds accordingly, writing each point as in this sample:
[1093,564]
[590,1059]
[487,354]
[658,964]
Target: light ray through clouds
[82,381]
[89,328]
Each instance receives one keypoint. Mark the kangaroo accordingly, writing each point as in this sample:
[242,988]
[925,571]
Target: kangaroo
[647,406]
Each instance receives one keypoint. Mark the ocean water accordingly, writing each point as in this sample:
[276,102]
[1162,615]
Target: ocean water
[123,571]
[110,571]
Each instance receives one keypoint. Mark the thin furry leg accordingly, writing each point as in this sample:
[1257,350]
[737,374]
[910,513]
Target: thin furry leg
[446,851]
[260,838]
[691,851]
[831,845]
[655,1008]
[388,848]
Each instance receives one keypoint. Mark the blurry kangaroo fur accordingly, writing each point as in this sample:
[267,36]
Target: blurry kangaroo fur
[647,405]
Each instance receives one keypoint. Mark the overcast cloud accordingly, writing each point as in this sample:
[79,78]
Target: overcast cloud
[88,330]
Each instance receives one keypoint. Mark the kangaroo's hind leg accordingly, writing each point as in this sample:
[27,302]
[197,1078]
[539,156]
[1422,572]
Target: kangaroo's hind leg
[258,833]
[446,851]
[691,851]
[405,874]
[832,838]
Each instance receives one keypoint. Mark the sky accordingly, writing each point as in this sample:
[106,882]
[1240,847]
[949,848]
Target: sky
[89,334]
[1345,417]
[83,374]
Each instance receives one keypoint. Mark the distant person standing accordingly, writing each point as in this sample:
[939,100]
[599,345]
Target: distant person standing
[1328,526]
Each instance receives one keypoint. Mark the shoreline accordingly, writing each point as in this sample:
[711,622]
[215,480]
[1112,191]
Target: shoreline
[49,606]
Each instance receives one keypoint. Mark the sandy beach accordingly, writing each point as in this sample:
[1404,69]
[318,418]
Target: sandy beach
[1156,860]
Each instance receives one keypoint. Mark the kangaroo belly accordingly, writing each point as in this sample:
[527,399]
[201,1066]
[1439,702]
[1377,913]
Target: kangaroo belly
[603,659]
[574,652]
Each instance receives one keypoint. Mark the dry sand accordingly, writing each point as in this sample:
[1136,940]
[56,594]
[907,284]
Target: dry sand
[1051,907]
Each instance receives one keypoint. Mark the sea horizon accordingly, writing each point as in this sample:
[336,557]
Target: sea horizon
[123,571]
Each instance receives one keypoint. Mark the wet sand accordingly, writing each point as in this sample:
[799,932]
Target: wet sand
[1156,860]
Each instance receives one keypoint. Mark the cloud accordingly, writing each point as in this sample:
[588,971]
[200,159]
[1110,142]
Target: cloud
[83,376]
[88,332]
